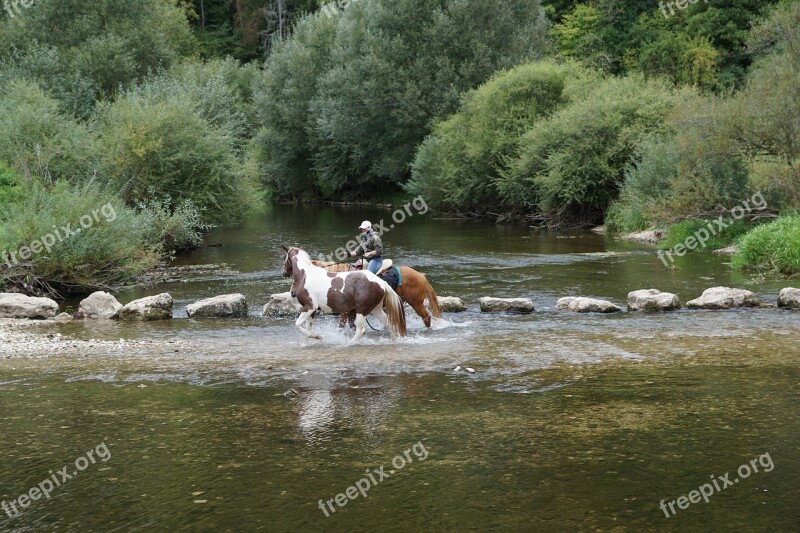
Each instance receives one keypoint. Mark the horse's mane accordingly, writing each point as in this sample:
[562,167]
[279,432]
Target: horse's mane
[330,266]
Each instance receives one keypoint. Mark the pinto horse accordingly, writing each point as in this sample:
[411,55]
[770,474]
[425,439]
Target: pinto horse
[362,293]
[414,289]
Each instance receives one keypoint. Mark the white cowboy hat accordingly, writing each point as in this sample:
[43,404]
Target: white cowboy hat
[366,224]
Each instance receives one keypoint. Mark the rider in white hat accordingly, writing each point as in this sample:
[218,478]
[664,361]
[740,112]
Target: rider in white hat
[371,247]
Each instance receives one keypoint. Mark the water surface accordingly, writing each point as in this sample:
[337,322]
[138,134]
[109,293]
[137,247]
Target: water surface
[570,422]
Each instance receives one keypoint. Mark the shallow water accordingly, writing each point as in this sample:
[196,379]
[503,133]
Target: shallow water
[570,422]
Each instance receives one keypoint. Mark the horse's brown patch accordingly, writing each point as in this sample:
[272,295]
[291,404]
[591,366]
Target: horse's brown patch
[337,284]
[331,274]
[357,293]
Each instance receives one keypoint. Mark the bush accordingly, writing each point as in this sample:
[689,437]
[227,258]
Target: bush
[771,247]
[460,163]
[162,142]
[37,139]
[178,228]
[10,191]
[220,89]
[109,249]
[624,217]
[572,164]
[686,172]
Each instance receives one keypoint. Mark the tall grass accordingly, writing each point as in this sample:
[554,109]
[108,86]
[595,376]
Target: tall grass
[771,247]
[678,233]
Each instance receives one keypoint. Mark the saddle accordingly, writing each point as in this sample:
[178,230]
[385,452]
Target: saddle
[388,272]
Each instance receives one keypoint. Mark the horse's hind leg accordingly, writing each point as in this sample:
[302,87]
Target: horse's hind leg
[361,327]
[381,315]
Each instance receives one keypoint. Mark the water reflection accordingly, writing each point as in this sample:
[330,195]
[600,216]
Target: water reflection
[365,405]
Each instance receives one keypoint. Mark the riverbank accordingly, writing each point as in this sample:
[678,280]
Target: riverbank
[20,338]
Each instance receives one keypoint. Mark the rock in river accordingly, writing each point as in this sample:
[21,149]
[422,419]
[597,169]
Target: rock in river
[282,304]
[151,308]
[513,305]
[226,306]
[653,300]
[13,305]
[451,304]
[724,298]
[99,305]
[789,298]
[586,305]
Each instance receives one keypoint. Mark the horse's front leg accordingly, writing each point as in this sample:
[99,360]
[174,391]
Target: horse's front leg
[305,317]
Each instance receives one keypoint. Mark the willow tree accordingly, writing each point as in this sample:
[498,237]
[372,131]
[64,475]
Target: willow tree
[389,69]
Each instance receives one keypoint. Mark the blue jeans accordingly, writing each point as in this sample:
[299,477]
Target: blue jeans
[375,265]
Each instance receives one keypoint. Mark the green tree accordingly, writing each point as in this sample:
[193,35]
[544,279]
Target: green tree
[103,45]
[283,97]
[385,72]
[577,34]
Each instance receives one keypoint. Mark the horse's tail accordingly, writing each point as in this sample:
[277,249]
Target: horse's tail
[393,306]
[433,300]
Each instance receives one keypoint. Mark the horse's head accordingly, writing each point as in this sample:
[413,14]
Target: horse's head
[288,268]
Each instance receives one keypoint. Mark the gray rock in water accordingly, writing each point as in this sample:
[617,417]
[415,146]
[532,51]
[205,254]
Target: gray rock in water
[151,308]
[63,317]
[100,305]
[652,300]
[225,306]
[513,305]
[586,305]
[282,304]
[724,298]
[13,305]
[451,304]
[789,298]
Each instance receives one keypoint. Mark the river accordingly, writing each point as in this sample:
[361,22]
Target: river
[569,422]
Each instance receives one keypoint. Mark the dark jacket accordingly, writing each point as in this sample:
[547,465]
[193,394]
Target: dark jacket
[370,241]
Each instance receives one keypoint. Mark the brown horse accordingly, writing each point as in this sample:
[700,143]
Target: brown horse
[362,293]
[414,289]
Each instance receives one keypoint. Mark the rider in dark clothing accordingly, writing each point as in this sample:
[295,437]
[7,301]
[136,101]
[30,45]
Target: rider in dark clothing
[371,247]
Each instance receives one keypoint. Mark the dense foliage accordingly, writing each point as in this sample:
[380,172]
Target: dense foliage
[346,101]
[185,113]
[106,249]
